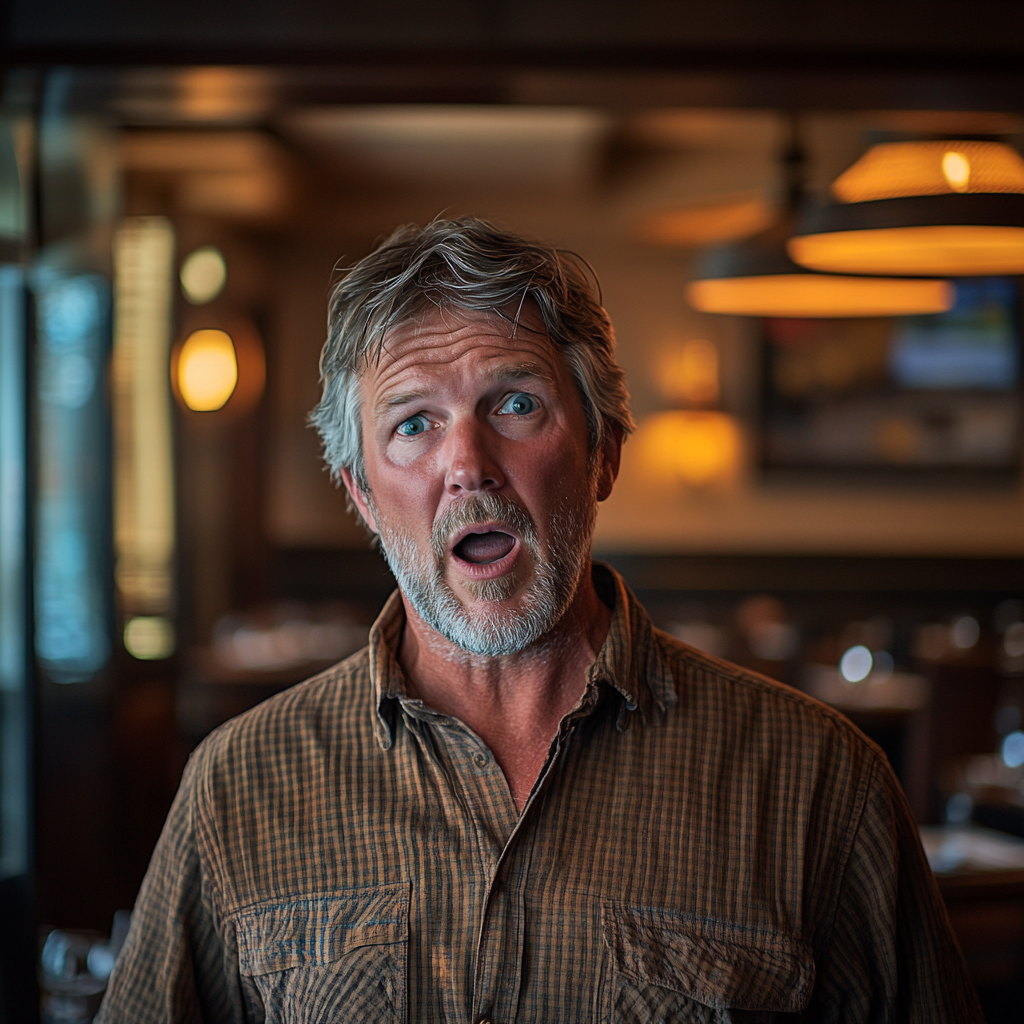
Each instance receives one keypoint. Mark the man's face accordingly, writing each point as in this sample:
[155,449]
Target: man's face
[482,487]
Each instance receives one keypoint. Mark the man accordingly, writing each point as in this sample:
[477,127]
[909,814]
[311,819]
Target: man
[521,802]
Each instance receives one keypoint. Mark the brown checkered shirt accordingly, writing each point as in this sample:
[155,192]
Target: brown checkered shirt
[703,844]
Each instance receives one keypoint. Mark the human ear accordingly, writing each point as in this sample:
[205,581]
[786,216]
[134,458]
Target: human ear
[359,499]
[608,462]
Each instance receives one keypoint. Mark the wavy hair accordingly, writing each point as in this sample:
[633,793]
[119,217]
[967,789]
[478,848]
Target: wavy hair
[463,265]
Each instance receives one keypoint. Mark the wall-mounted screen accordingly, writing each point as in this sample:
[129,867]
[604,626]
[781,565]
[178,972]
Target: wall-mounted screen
[921,394]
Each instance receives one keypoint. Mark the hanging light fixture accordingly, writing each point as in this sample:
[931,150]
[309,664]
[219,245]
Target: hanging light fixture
[953,207]
[757,277]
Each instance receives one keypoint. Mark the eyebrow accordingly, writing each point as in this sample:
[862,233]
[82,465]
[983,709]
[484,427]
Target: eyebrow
[403,398]
[515,372]
[522,370]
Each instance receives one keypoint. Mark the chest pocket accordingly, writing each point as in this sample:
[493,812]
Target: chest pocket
[670,967]
[337,956]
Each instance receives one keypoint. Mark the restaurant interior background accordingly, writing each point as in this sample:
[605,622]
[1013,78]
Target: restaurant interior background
[836,502]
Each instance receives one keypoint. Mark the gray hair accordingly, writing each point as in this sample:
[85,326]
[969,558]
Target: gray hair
[462,265]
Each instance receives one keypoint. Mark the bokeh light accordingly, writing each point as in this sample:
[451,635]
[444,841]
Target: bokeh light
[855,665]
[149,637]
[1013,749]
[965,632]
[689,373]
[203,275]
[207,370]
[695,447]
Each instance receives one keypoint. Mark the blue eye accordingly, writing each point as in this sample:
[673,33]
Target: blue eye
[412,426]
[520,404]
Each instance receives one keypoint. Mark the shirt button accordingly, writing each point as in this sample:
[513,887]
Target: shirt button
[480,760]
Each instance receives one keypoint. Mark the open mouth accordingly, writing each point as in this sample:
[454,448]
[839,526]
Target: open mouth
[484,548]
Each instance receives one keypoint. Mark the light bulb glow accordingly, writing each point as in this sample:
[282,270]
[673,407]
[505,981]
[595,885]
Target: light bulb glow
[207,370]
[956,169]
[892,170]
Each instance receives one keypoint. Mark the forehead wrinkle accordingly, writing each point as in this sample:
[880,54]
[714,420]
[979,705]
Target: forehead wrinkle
[414,348]
[518,371]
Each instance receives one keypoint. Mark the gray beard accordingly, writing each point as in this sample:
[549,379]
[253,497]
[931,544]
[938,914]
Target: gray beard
[494,632]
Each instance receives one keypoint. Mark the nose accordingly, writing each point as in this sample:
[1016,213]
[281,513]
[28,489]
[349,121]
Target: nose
[471,466]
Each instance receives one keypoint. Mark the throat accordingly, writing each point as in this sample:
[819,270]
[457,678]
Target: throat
[482,548]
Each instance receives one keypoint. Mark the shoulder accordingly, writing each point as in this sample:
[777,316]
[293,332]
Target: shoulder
[762,714]
[300,724]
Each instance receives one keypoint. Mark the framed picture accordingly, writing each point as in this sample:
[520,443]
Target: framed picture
[921,396]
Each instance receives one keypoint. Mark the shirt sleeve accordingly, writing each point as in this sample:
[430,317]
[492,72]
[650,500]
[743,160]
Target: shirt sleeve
[178,964]
[892,956]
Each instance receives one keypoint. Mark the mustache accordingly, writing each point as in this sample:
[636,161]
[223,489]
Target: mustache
[481,508]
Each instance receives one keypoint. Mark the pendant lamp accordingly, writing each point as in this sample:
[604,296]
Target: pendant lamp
[757,277]
[952,207]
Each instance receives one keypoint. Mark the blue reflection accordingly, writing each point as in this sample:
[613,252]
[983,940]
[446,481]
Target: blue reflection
[71,637]
[974,345]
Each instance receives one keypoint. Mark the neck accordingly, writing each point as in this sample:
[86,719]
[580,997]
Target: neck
[514,702]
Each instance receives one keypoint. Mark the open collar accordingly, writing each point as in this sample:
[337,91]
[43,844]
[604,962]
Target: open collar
[630,662]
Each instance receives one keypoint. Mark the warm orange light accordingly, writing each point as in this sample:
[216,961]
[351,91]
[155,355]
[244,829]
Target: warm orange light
[207,370]
[697,448]
[818,295]
[705,225]
[953,249]
[956,169]
[689,373]
[893,170]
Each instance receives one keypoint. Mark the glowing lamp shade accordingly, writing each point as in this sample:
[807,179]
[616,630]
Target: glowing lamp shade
[696,448]
[757,277]
[207,370]
[952,208]
[892,170]
[960,250]
[820,295]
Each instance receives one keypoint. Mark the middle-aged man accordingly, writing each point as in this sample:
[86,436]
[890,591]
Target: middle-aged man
[521,802]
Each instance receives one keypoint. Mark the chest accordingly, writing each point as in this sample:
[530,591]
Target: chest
[634,874]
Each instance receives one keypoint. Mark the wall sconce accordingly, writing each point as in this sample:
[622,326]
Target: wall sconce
[698,448]
[207,370]
[215,369]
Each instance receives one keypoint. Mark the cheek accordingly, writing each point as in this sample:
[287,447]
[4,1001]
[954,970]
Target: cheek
[558,468]
[404,496]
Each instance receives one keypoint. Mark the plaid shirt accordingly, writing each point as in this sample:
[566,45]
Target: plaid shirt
[703,844]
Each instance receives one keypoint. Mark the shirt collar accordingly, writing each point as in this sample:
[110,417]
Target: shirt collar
[631,660]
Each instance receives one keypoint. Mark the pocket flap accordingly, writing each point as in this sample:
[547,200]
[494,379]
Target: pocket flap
[315,930]
[722,965]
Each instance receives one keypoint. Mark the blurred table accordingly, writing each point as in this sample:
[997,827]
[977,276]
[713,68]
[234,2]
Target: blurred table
[981,877]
